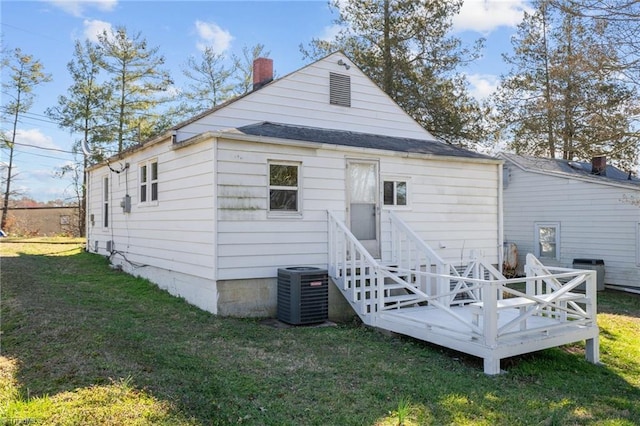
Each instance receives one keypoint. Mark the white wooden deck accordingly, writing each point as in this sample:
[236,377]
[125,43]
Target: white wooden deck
[475,309]
[436,326]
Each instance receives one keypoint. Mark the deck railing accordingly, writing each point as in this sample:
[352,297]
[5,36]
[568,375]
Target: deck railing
[367,284]
[418,276]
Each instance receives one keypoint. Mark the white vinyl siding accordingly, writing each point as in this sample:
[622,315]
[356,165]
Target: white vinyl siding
[459,210]
[302,98]
[596,221]
[177,234]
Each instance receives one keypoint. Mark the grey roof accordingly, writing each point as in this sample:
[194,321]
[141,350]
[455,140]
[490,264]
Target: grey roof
[360,140]
[570,168]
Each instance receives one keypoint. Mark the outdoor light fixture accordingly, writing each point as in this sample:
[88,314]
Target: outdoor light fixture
[344,64]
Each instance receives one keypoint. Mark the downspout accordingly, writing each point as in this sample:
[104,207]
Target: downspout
[500,218]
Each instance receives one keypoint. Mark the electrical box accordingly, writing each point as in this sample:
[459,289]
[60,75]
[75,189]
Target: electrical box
[126,204]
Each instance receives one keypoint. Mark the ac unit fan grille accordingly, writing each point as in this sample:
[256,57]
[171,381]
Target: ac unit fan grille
[303,295]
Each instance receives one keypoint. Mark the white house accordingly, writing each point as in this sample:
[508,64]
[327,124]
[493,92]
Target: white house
[216,206]
[564,210]
[320,168]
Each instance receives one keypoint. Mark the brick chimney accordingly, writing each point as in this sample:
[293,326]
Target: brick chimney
[262,72]
[599,165]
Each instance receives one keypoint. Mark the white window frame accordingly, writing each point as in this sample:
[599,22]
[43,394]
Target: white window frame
[536,238]
[147,185]
[395,180]
[298,188]
[105,202]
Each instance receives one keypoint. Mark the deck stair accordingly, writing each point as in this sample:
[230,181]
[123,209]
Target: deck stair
[468,307]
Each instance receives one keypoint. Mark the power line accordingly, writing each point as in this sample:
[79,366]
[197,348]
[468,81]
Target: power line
[41,147]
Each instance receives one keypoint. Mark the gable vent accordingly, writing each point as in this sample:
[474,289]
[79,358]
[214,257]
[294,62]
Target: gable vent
[339,89]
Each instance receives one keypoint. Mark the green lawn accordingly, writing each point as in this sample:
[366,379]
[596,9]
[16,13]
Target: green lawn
[86,345]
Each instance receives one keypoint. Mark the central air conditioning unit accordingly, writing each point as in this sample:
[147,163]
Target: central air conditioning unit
[303,295]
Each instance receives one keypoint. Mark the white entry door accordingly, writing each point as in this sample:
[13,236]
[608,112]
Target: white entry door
[363,203]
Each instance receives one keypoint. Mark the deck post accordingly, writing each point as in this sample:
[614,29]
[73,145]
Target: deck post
[592,346]
[491,365]
[592,350]
[490,313]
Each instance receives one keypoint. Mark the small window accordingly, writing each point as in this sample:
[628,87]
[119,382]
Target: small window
[143,183]
[284,188]
[548,240]
[105,201]
[154,181]
[395,193]
[149,182]
[339,89]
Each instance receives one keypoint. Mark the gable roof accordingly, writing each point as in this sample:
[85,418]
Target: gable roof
[571,169]
[360,140]
[303,98]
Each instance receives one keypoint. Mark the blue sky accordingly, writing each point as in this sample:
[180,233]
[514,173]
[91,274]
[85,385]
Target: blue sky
[47,30]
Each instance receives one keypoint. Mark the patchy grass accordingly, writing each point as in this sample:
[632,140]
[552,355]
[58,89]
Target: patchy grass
[84,344]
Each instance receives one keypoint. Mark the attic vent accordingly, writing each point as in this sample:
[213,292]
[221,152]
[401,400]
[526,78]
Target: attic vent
[339,89]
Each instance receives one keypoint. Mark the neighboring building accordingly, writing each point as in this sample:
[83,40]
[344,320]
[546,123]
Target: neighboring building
[212,209]
[43,221]
[563,210]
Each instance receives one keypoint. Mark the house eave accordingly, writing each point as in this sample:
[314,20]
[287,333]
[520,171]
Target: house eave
[133,149]
[231,135]
[589,179]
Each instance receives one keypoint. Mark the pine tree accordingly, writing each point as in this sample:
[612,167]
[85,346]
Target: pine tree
[209,80]
[81,112]
[406,48]
[25,73]
[137,81]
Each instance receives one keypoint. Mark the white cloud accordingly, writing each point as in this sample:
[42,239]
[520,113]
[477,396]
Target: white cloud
[78,7]
[211,35]
[482,85]
[485,16]
[94,27]
[35,138]
[329,33]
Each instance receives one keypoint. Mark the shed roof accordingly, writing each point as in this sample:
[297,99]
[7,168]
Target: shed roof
[569,169]
[360,140]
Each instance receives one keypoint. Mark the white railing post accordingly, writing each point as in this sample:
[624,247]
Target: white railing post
[490,313]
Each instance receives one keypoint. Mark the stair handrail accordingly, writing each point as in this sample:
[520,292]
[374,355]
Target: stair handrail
[340,224]
[378,271]
[415,238]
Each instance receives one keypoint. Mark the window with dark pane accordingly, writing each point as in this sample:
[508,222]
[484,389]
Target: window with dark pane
[388,193]
[395,193]
[143,183]
[154,181]
[283,187]
[105,209]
